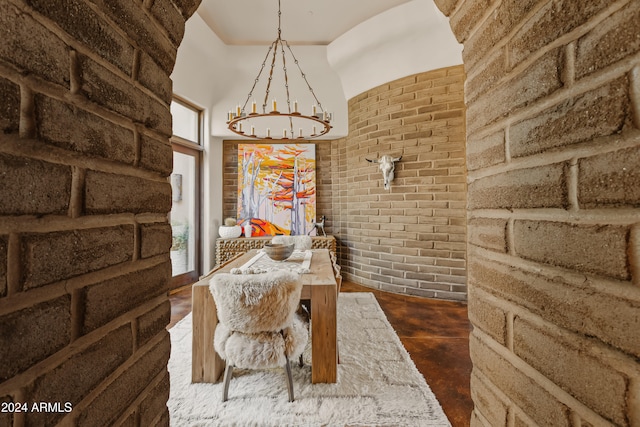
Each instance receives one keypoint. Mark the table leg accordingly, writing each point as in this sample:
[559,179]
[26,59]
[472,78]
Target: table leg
[206,365]
[324,368]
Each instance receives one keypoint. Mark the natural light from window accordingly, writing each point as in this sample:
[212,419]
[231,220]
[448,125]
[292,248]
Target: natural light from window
[185,122]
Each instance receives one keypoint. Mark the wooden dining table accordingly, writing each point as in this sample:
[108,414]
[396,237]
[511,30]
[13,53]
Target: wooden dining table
[319,286]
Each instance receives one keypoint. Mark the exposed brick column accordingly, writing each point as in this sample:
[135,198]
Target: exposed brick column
[553,149]
[84,197]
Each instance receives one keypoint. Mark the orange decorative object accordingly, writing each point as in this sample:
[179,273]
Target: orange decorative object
[260,227]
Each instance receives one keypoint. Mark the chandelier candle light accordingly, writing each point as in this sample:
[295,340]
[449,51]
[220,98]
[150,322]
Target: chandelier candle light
[297,125]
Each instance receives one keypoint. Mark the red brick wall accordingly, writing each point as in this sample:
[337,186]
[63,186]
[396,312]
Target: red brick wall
[553,195]
[84,197]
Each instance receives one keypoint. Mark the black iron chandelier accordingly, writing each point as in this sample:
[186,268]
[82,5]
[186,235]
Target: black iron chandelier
[295,125]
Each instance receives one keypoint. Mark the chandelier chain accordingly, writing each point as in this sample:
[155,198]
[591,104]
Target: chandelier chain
[257,79]
[279,21]
[235,120]
[273,64]
[286,86]
[304,76]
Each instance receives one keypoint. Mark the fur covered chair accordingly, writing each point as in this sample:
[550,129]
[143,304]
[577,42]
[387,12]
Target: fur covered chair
[258,326]
[302,242]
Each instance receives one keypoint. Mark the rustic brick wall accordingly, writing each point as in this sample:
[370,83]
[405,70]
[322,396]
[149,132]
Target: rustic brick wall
[553,149]
[411,238]
[553,102]
[84,197]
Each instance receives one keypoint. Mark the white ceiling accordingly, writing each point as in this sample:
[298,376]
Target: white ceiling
[304,22]
[345,47]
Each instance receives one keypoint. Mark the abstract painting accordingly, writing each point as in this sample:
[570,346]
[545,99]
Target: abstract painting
[277,188]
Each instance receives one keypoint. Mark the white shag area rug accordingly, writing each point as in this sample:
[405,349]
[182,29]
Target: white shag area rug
[378,384]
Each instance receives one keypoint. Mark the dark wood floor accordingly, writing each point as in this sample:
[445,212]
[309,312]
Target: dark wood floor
[435,333]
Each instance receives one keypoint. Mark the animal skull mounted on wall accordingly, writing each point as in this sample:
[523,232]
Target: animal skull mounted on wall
[387,165]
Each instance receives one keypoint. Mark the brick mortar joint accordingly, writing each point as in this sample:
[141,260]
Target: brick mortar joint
[75,90]
[601,145]
[578,88]
[24,300]
[572,182]
[32,148]
[158,418]
[81,101]
[622,216]
[608,355]
[545,383]
[458,9]
[146,7]
[493,387]
[512,409]
[79,345]
[133,407]
[511,315]
[27,126]
[634,254]
[573,278]
[509,238]
[634,77]
[87,399]
[566,38]
[77,313]
[72,42]
[76,202]
[51,223]
[72,96]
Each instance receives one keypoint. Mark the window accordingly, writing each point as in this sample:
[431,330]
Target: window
[185,183]
[186,121]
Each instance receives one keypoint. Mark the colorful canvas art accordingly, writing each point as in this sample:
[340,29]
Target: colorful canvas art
[277,188]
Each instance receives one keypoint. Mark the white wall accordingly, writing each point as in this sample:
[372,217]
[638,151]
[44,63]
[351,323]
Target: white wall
[197,77]
[408,39]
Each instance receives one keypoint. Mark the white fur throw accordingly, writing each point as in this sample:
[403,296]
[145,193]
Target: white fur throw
[302,242]
[271,297]
[262,350]
[258,324]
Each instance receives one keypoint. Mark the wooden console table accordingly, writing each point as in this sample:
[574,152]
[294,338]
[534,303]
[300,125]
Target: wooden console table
[228,248]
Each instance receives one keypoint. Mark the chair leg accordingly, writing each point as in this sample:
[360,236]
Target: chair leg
[301,361]
[287,368]
[228,372]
